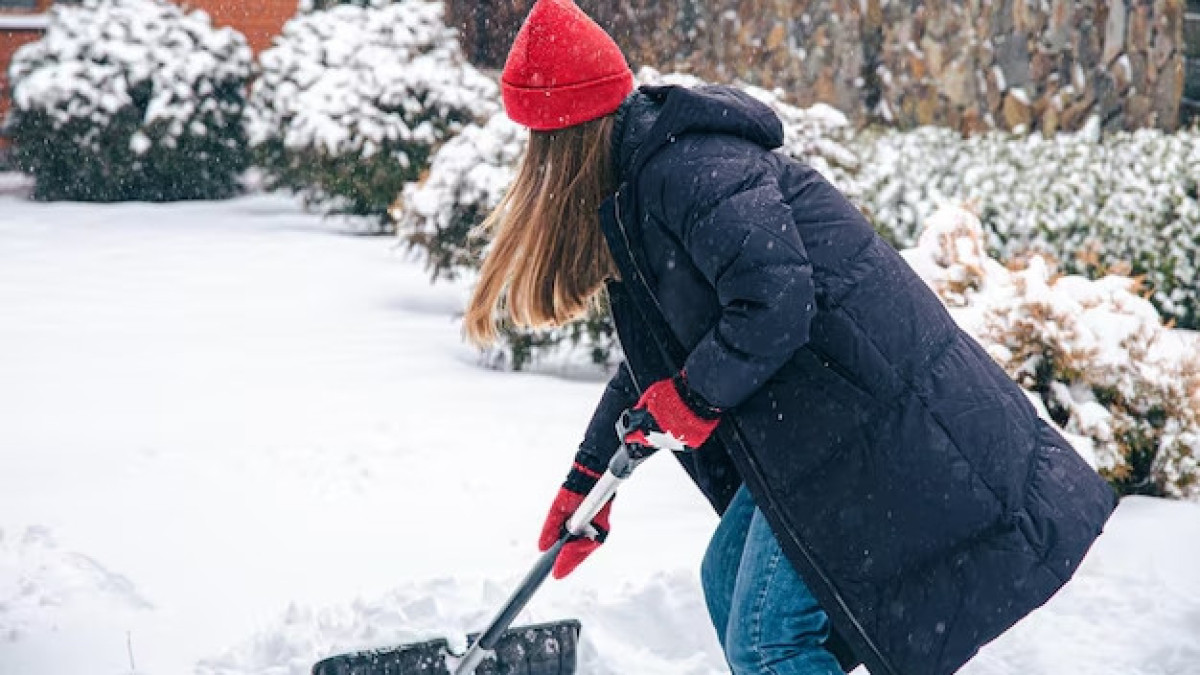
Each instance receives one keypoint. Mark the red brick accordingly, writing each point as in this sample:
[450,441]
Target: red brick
[10,42]
[259,21]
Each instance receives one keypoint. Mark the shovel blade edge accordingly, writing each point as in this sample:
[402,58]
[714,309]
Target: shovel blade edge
[542,649]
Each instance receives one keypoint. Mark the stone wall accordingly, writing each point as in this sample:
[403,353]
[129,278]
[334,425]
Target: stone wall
[1191,41]
[1020,64]
[811,48]
[968,64]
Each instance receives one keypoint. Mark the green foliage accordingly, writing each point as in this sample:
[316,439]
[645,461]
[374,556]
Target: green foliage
[348,184]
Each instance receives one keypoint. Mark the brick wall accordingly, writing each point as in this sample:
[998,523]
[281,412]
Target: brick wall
[12,39]
[260,21]
[10,42]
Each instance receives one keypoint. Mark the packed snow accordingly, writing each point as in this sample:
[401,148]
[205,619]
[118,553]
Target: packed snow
[236,439]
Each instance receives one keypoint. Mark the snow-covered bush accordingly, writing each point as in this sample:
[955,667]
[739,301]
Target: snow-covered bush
[1093,352]
[951,257]
[353,100]
[1125,202]
[591,339]
[439,217]
[1107,369]
[130,100]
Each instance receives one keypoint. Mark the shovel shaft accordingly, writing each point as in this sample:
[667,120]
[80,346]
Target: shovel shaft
[619,469]
[516,602]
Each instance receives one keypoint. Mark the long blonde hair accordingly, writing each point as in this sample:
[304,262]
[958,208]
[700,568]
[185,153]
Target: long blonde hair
[548,257]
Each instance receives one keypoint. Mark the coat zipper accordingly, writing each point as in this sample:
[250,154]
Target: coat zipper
[752,463]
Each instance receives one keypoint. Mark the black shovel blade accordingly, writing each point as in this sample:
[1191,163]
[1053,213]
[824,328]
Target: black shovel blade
[542,649]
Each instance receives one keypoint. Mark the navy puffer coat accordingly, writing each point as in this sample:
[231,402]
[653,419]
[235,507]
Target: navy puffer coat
[908,479]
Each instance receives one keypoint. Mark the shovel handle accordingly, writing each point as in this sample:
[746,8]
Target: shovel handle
[619,468]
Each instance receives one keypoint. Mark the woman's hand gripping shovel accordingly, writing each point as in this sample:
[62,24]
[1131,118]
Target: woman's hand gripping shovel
[546,649]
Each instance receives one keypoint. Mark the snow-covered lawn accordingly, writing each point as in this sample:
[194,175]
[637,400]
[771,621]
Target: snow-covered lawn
[235,439]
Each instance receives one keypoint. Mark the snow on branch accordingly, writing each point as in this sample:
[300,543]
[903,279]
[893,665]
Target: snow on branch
[1096,354]
[353,100]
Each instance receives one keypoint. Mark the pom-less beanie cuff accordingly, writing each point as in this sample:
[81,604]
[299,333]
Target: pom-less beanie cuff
[547,108]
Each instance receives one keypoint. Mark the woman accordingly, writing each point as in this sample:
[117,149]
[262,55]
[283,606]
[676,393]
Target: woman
[889,496]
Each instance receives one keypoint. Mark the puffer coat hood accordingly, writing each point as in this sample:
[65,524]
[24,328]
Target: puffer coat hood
[643,122]
[910,482]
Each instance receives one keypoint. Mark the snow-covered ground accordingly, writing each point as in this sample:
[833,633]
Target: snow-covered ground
[235,439]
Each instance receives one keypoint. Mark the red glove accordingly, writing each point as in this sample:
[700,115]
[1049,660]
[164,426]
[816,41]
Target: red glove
[670,416]
[579,482]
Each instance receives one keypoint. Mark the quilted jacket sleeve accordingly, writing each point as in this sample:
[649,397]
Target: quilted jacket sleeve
[600,440]
[731,217]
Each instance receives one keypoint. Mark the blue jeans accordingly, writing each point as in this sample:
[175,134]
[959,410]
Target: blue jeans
[767,620]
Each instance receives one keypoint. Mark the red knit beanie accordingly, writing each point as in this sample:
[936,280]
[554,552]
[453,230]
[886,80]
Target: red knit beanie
[563,69]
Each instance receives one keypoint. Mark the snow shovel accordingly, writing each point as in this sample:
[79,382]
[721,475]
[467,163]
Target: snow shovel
[544,649]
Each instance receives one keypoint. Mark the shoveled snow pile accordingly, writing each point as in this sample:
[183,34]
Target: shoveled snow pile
[621,634]
[43,586]
[1133,608]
